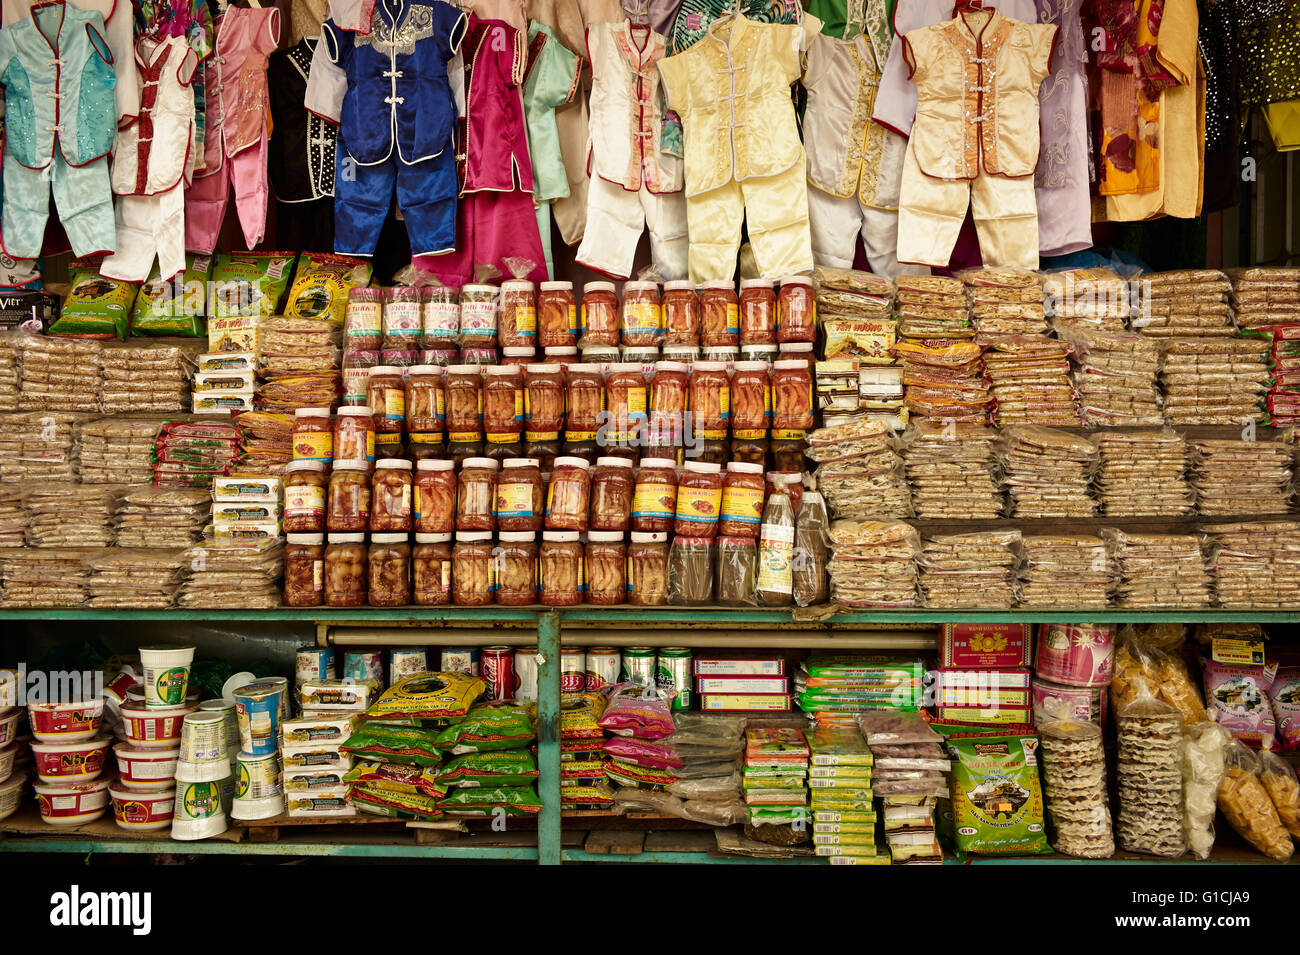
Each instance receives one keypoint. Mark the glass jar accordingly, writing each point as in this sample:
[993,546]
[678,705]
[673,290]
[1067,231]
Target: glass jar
[520,503]
[435,496]
[386,398]
[757,312]
[503,406]
[647,570]
[354,378]
[699,500]
[471,569]
[625,400]
[710,400]
[613,484]
[561,569]
[478,316]
[476,500]
[751,401]
[750,450]
[345,570]
[403,319]
[603,357]
[585,399]
[514,569]
[557,315]
[606,563]
[600,314]
[719,314]
[304,570]
[389,446]
[517,323]
[654,500]
[439,316]
[363,323]
[390,496]
[305,487]
[464,404]
[354,434]
[792,398]
[543,403]
[668,388]
[690,571]
[426,447]
[426,400]
[742,500]
[568,496]
[349,497]
[641,322]
[313,436]
[681,309]
[390,570]
[796,310]
[431,570]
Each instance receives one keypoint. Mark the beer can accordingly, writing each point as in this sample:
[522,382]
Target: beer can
[602,667]
[313,663]
[364,665]
[573,670]
[637,665]
[460,660]
[407,661]
[526,673]
[673,672]
[499,672]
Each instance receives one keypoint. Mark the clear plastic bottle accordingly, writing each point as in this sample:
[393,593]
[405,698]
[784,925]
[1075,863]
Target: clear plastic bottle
[775,585]
[811,551]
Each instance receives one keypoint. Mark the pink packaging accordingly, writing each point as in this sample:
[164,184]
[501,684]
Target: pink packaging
[1238,698]
[1054,701]
[637,711]
[1285,695]
[1075,654]
[643,752]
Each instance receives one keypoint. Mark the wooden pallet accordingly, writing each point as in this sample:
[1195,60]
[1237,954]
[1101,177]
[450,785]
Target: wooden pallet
[27,821]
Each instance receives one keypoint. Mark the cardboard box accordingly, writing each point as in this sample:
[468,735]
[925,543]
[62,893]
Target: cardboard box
[985,646]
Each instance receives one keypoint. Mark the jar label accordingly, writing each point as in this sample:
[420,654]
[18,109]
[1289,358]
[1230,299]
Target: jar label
[502,437]
[441,319]
[304,501]
[394,404]
[747,435]
[354,385]
[636,402]
[542,435]
[654,499]
[744,505]
[370,446]
[525,320]
[733,319]
[425,437]
[641,318]
[775,559]
[478,318]
[573,319]
[519,404]
[579,436]
[402,319]
[313,446]
[699,504]
[465,437]
[515,500]
[788,434]
[317,575]
[364,320]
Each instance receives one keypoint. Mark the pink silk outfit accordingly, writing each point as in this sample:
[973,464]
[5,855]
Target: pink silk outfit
[235,139]
[154,161]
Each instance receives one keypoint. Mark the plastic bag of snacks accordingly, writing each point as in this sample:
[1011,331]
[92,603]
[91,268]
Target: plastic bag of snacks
[996,799]
[249,283]
[1201,757]
[96,307]
[397,744]
[176,306]
[1238,695]
[406,778]
[428,696]
[385,802]
[638,711]
[1279,781]
[1147,664]
[493,726]
[484,800]
[512,768]
[1246,805]
[1284,694]
[321,285]
[580,715]
[638,777]
[643,752]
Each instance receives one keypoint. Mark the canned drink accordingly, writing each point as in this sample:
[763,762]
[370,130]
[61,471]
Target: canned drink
[573,670]
[637,665]
[364,665]
[407,661]
[499,672]
[526,673]
[673,672]
[602,667]
[460,660]
[314,663]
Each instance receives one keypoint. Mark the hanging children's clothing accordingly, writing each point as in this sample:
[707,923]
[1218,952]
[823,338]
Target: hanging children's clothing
[634,184]
[301,152]
[551,79]
[744,159]
[975,140]
[1061,181]
[191,19]
[59,127]
[154,160]
[235,136]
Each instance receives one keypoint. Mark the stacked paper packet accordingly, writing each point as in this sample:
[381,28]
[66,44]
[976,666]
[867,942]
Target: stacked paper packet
[834,689]
[839,777]
[1262,297]
[970,571]
[873,563]
[1216,381]
[117,450]
[744,681]
[1242,477]
[60,374]
[233,573]
[1048,472]
[855,311]
[43,577]
[953,471]
[836,382]
[1074,788]
[1158,570]
[1183,304]
[10,356]
[1255,564]
[1099,298]
[315,764]
[1064,572]
[1283,399]
[910,775]
[71,515]
[932,307]
[13,517]
[944,380]
[1029,377]
[246,508]
[859,472]
[1142,474]
[1115,374]
[1005,302]
[991,696]
[191,453]
[300,364]
[774,775]
[166,517]
[225,382]
[39,446]
[147,378]
[129,578]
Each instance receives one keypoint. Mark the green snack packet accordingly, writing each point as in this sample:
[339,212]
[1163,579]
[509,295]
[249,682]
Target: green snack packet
[176,306]
[96,306]
[482,801]
[488,728]
[384,802]
[513,768]
[249,283]
[997,801]
[397,744]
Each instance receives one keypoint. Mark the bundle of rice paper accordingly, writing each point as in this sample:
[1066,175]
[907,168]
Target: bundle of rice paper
[1215,381]
[970,571]
[13,516]
[122,578]
[953,471]
[932,307]
[855,311]
[1099,298]
[146,378]
[1048,472]
[1064,572]
[39,445]
[1263,296]
[873,563]
[162,517]
[1029,377]
[192,453]
[43,577]
[1142,474]
[60,374]
[10,357]
[1182,304]
[117,450]
[1158,570]
[233,573]
[1256,564]
[265,442]
[1242,477]
[71,515]
[859,471]
[944,380]
[1005,302]
[1115,375]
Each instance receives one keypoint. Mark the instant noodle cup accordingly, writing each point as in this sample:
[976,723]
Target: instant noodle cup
[80,762]
[166,674]
[203,753]
[9,724]
[157,728]
[259,790]
[198,812]
[152,769]
[258,709]
[138,811]
[65,722]
[72,804]
[11,794]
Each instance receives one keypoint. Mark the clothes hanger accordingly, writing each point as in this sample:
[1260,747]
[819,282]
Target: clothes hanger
[966,6]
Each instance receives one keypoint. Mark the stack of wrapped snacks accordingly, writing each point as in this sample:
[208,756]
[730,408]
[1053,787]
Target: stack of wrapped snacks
[774,775]
[1048,472]
[1262,297]
[1074,778]
[1141,474]
[39,446]
[128,578]
[1115,374]
[1218,381]
[944,380]
[859,471]
[71,515]
[265,442]
[910,774]
[952,470]
[162,517]
[1255,563]
[1005,302]
[43,577]
[1242,477]
[117,450]
[1150,781]
[60,374]
[1029,377]
[932,307]
[1183,304]
[835,689]
[839,777]
[13,518]
[191,453]
[1099,298]
[232,573]
[1283,399]
[300,359]
[837,391]
[1158,570]
[149,378]
[873,563]
[10,354]
[855,311]
[1064,572]
[970,571]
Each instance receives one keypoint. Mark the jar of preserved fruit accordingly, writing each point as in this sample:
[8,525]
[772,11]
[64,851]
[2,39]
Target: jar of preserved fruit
[562,577]
[515,569]
[641,321]
[346,571]
[585,399]
[520,504]
[690,571]
[478,316]
[517,322]
[390,496]
[647,569]
[557,315]
[431,570]
[710,400]
[390,570]
[543,403]
[613,484]
[389,446]
[386,398]
[792,398]
[625,400]
[654,500]
[764,353]
[313,436]
[426,400]
[681,310]
[471,569]
[476,500]
[750,450]
[354,434]
[304,497]
[304,570]
[668,388]
[464,404]
[355,378]
[699,500]
[403,319]
[569,495]
[751,401]
[606,561]
[503,404]
[796,310]
[742,500]
[435,496]
[363,323]
[439,316]
[711,451]
[349,497]
[600,314]
[719,314]
[757,312]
